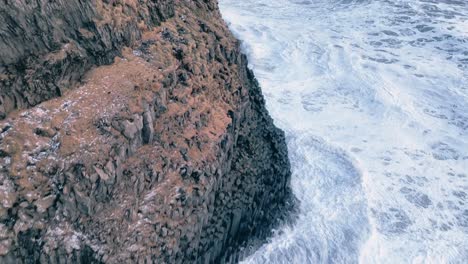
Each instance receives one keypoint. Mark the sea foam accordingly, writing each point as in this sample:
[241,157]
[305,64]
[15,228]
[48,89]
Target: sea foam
[373,96]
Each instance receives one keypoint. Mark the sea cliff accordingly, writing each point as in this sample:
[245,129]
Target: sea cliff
[133,131]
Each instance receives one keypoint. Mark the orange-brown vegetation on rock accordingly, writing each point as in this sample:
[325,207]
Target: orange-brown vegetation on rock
[165,155]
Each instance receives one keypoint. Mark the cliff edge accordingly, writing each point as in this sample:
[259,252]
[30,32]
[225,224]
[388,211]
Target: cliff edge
[135,133]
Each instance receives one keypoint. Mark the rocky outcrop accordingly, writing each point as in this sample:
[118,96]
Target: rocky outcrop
[46,46]
[167,155]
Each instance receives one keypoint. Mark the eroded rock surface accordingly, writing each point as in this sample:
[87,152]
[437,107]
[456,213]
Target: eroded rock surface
[167,155]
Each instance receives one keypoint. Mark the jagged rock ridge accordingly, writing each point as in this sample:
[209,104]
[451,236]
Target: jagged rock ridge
[167,155]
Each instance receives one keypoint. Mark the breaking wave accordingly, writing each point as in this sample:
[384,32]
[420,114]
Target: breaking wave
[373,96]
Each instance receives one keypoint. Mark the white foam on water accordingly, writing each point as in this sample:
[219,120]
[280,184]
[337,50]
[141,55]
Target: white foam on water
[373,96]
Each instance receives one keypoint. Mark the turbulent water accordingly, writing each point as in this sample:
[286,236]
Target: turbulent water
[373,96]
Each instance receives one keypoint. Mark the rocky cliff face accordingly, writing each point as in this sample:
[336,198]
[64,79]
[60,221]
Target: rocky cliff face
[46,46]
[166,155]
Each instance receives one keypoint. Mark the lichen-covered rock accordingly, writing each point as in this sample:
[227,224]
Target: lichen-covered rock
[167,155]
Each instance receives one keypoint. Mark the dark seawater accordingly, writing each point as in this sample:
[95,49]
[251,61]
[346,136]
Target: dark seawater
[373,96]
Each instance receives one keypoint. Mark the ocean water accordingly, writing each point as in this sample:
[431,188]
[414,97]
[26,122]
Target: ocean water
[373,97]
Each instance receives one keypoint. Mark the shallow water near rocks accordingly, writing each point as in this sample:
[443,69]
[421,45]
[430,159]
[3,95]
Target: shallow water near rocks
[373,97]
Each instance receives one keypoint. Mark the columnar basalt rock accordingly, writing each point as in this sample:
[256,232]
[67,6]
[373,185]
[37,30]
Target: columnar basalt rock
[167,155]
[46,46]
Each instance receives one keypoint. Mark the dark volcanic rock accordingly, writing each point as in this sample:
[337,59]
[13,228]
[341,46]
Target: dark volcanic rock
[46,46]
[167,155]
